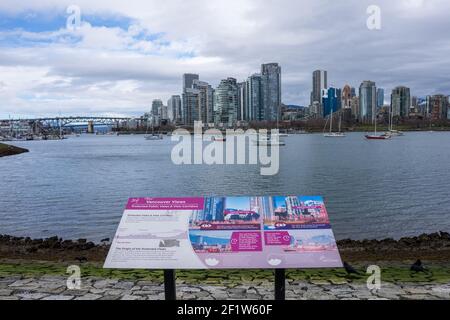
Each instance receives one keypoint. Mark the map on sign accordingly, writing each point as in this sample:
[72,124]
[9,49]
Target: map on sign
[224,232]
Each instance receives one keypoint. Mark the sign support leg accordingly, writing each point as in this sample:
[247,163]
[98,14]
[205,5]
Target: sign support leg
[169,285]
[280,284]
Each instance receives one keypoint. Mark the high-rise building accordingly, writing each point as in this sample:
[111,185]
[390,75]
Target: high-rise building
[254,106]
[293,206]
[400,102]
[354,104]
[157,105]
[271,91]
[188,80]
[346,97]
[242,99]
[214,207]
[191,106]
[415,104]
[157,109]
[380,98]
[368,101]
[320,83]
[164,113]
[267,209]
[339,100]
[437,107]
[198,100]
[330,101]
[190,103]
[205,100]
[226,102]
[175,109]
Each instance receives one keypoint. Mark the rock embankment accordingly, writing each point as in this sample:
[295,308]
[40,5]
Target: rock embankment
[8,150]
[430,247]
[434,247]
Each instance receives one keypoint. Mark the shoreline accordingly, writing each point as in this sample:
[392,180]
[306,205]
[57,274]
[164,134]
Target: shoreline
[9,150]
[433,247]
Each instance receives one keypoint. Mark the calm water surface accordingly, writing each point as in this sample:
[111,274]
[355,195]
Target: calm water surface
[77,188]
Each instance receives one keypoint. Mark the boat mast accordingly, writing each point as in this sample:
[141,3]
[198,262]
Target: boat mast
[340,122]
[331,120]
[391,119]
[375,125]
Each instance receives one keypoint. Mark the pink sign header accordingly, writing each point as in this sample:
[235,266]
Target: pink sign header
[165,204]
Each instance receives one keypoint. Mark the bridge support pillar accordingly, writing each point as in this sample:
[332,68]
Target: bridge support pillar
[90,128]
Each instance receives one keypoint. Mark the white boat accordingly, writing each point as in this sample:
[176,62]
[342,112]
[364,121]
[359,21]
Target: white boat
[391,132]
[332,134]
[394,133]
[154,137]
[269,141]
[283,135]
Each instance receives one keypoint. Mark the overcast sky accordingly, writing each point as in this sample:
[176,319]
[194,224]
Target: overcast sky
[127,53]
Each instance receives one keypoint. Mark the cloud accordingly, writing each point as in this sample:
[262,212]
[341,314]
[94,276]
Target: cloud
[127,53]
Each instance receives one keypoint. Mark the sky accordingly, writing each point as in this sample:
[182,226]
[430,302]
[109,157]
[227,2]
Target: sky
[124,54]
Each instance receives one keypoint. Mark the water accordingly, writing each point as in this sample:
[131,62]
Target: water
[77,188]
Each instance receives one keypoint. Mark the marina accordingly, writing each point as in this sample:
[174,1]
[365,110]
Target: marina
[372,190]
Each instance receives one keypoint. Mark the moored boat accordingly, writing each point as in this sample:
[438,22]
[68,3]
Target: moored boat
[377,137]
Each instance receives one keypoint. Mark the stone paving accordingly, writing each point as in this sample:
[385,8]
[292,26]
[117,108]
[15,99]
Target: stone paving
[55,288]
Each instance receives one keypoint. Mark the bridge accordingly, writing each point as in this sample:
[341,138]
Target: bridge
[64,121]
[56,125]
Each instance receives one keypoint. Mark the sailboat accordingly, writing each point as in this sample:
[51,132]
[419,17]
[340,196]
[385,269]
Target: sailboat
[272,139]
[332,134]
[376,136]
[152,136]
[392,132]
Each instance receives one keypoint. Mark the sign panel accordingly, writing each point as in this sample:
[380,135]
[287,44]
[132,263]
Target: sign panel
[224,232]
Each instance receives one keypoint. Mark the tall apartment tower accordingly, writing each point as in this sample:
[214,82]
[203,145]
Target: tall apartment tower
[368,101]
[320,83]
[175,109]
[400,102]
[255,110]
[226,102]
[205,100]
[271,91]
[188,80]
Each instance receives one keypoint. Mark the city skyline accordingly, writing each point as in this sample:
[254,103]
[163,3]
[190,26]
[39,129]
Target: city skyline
[121,58]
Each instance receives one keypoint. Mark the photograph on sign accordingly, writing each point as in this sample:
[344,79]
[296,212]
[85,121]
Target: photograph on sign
[224,233]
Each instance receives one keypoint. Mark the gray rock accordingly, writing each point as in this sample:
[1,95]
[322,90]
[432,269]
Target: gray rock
[124,285]
[31,296]
[21,283]
[58,297]
[5,292]
[9,298]
[102,284]
[89,296]
[132,297]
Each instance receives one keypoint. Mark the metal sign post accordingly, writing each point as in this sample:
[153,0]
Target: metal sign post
[169,285]
[280,284]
